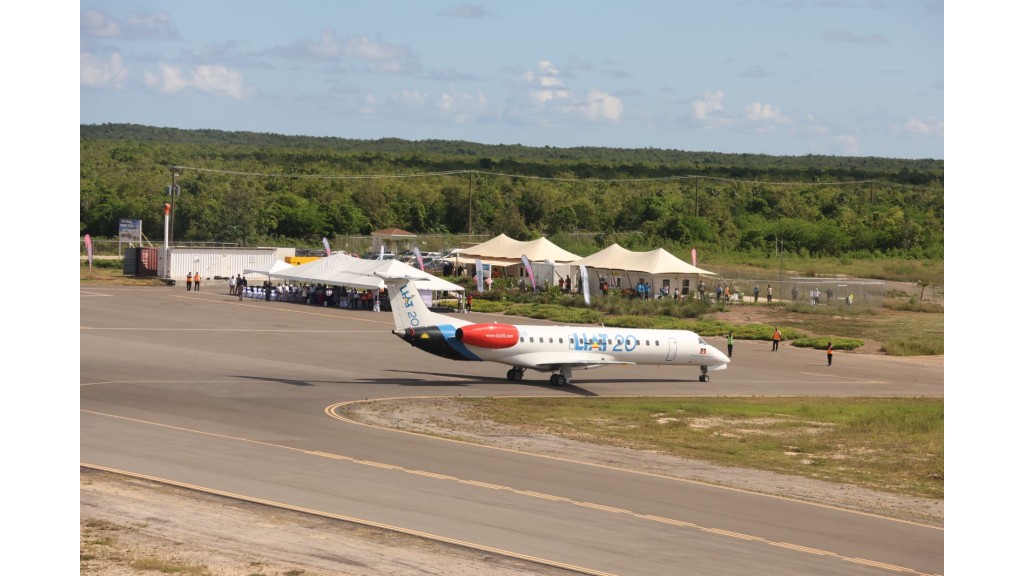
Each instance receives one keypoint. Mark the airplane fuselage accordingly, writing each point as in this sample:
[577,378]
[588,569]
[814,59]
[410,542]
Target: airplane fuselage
[556,349]
[541,347]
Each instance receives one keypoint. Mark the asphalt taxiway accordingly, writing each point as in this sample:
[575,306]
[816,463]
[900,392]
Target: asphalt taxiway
[202,390]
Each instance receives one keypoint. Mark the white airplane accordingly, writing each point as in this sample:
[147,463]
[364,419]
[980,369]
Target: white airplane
[555,349]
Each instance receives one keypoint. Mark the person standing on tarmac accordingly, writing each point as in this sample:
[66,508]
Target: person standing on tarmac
[188,282]
[829,352]
[729,341]
[196,279]
[776,338]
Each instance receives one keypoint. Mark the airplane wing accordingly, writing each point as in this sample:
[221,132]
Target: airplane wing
[552,361]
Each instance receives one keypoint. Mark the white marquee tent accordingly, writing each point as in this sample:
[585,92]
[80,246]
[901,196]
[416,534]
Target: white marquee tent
[269,270]
[344,270]
[657,267]
[504,251]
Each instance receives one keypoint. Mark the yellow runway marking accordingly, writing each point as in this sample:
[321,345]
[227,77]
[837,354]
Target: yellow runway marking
[491,486]
[355,520]
[261,330]
[855,379]
[271,306]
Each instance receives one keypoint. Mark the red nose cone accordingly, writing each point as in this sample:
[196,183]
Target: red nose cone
[488,335]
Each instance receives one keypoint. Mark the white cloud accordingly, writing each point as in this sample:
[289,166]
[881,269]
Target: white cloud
[470,11]
[762,112]
[98,24]
[545,76]
[709,104]
[551,102]
[848,144]
[168,80]
[462,106]
[412,99]
[540,97]
[377,55]
[327,46]
[217,80]
[601,106]
[158,26]
[96,72]
[924,127]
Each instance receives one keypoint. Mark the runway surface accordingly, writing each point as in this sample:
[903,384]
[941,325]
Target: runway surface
[235,397]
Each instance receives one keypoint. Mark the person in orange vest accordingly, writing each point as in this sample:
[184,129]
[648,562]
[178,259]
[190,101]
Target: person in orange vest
[188,282]
[776,338]
[196,280]
[829,352]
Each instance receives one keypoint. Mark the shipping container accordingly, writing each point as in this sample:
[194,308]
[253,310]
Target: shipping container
[214,263]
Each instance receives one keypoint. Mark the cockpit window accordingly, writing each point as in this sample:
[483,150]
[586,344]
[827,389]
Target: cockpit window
[701,340]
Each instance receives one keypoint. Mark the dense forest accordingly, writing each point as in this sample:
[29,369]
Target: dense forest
[264,189]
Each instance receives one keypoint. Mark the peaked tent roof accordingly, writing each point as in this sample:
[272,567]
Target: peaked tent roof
[344,270]
[658,261]
[275,267]
[501,248]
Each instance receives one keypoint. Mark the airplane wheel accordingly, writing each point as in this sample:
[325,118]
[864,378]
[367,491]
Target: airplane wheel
[517,375]
[554,379]
[511,375]
[560,380]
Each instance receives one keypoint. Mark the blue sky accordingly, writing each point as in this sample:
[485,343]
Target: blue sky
[787,77]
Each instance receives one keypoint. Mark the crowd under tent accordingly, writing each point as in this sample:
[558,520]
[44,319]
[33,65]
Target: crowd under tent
[624,269]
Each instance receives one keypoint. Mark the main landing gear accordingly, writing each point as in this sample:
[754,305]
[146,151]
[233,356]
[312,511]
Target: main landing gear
[562,377]
[704,377]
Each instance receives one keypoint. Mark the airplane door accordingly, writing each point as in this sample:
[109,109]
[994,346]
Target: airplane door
[671,350]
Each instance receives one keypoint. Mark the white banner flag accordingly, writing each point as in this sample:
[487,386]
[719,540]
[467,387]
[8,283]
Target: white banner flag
[585,280]
[529,271]
[327,246]
[419,257]
[479,275]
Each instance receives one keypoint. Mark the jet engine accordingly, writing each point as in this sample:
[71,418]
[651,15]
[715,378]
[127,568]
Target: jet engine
[494,336]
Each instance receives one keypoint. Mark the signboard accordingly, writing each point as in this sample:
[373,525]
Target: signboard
[130,231]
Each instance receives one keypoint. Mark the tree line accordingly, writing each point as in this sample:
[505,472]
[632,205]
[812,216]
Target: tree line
[261,189]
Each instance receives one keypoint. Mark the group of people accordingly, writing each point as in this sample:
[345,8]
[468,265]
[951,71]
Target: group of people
[777,338]
[193,279]
[316,295]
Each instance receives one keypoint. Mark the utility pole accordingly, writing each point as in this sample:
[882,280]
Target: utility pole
[172,191]
[471,202]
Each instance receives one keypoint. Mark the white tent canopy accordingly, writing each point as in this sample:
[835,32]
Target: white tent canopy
[659,261]
[344,270]
[275,267]
[504,251]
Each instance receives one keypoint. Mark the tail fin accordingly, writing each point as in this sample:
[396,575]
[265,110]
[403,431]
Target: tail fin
[408,307]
